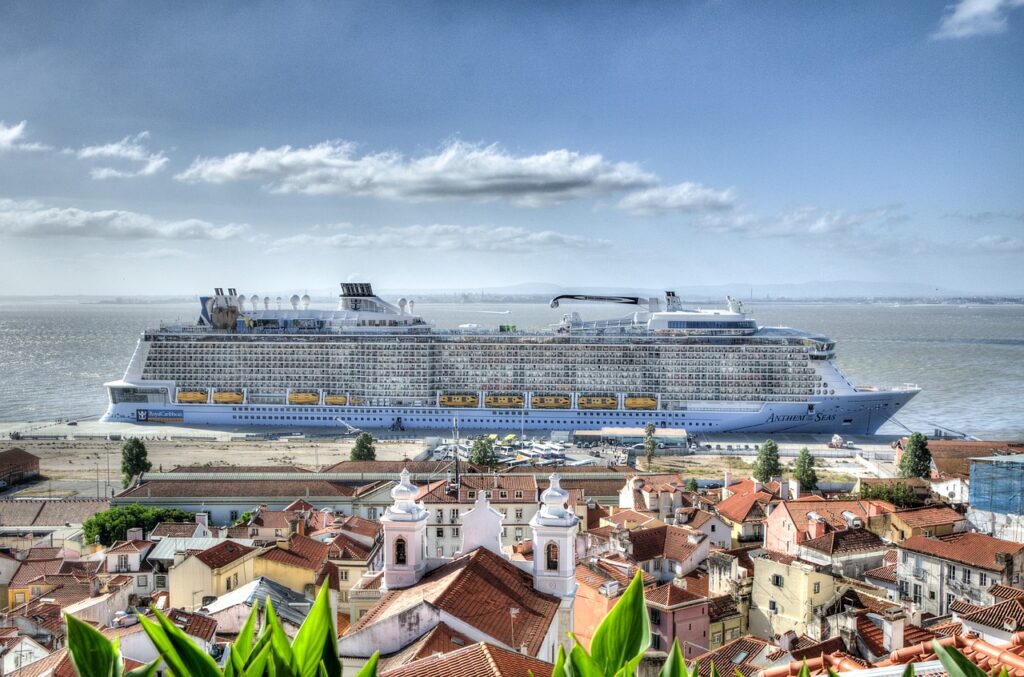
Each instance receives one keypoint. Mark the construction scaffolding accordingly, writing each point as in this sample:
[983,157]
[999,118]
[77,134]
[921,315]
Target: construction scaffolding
[997,484]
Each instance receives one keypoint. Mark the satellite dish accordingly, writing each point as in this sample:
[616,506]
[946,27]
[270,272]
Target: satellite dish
[294,300]
[266,302]
[255,301]
[305,301]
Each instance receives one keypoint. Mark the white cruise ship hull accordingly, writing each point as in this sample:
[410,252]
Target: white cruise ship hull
[861,413]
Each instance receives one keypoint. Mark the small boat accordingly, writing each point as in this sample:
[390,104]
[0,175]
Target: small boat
[550,402]
[336,400]
[193,397]
[459,400]
[503,400]
[598,402]
[228,397]
[303,398]
[641,402]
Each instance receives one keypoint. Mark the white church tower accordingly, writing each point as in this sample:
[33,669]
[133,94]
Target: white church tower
[405,530]
[554,543]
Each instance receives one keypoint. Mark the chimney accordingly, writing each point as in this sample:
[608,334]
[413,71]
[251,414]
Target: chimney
[179,557]
[893,623]
[726,493]
[203,518]
[815,525]
[794,488]
[758,485]
[783,490]
[134,534]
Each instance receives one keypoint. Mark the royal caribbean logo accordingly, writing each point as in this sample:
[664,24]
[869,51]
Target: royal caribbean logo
[159,416]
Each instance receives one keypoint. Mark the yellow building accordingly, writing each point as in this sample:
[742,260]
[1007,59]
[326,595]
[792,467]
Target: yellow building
[789,594]
[930,520]
[293,563]
[727,621]
[211,573]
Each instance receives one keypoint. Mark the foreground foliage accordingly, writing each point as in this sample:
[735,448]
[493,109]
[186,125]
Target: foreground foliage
[616,650]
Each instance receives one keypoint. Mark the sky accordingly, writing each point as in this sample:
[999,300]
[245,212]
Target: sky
[169,148]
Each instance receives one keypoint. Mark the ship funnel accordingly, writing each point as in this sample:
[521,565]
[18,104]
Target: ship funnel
[279,303]
[294,300]
[402,303]
[305,301]
[266,303]
[412,306]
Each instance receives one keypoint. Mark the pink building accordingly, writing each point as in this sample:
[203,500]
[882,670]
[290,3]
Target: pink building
[676,613]
[790,523]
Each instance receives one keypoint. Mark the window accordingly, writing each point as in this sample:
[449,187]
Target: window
[951,572]
[931,594]
[277,533]
[122,562]
[440,514]
[777,580]
[967,575]
[655,641]
[519,493]
[734,633]
[19,598]
[440,551]
[917,593]
[254,532]
[906,557]
[904,589]
[772,606]
[233,516]
[817,588]
[519,513]
[342,574]
[440,532]
[399,551]
[950,598]
[142,581]
[455,532]
[983,579]
[519,533]
[716,638]
[712,528]
[453,514]
[655,617]
[472,494]
[160,581]
[551,553]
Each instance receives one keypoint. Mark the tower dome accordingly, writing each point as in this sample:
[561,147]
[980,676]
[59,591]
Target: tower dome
[553,499]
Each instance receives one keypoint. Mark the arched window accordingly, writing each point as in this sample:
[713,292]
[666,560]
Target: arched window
[399,551]
[552,556]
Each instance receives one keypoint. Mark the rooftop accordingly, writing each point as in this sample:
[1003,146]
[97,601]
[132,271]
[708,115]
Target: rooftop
[223,553]
[477,660]
[969,548]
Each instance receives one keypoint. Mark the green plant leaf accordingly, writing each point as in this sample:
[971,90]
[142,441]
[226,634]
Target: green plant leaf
[316,643]
[910,672]
[956,664]
[804,672]
[714,670]
[370,668]
[147,670]
[258,662]
[197,662]
[625,632]
[243,643]
[559,669]
[92,654]
[674,665]
[282,650]
[163,645]
[581,664]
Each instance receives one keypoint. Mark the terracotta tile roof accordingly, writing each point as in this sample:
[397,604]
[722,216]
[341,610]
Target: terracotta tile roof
[129,546]
[42,553]
[395,467]
[947,629]
[696,582]
[344,547]
[32,569]
[252,488]
[342,624]
[698,518]
[732,656]
[604,532]
[830,511]
[271,519]
[57,664]
[238,469]
[594,515]
[873,635]
[173,530]
[195,624]
[300,504]
[975,549]
[890,557]
[722,607]
[989,657]
[745,503]
[622,518]
[845,541]
[440,639]
[886,573]
[516,489]
[929,516]
[1003,592]
[648,543]
[223,554]
[952,458]
[821,664]
[961,607]
[670,596]
[997,615]
[590,487]
[302,551]
[597,573]
[16,456]
[477,660]
[361,526]
[744,556]
[478,588]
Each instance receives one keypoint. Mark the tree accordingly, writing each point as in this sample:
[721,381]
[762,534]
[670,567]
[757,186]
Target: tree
[916,460]
[243,518]
[897,493]
[649,445]
[803,471]
[691,486]
[134,460]
[112,525]
[363,449]
[483,452]
[767,464]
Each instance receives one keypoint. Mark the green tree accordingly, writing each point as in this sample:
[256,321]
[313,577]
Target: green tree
[363,449]
[916,460]
[649,445]
[767,464]
[134,460]
[897,493]
[482,452]
[803,471]
[243,518]
[691,486]
[112,525]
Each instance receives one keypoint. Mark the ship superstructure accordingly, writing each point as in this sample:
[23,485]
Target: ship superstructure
[373,364]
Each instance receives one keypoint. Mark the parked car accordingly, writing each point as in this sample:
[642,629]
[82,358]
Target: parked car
[124,619]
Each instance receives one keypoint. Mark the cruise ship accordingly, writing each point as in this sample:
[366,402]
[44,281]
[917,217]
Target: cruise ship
[375,364]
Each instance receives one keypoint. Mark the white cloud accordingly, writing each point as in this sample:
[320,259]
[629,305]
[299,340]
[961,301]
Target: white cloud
[800,222]
[1001,244]
[156,253]
[687,198]
[130,149]
[12,138]
[459,171]
[975,17]
[30,219]
[499,239]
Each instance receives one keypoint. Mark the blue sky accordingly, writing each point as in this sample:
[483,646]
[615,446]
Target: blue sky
[168,149]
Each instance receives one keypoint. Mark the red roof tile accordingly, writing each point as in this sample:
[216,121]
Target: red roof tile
[997,615]
[478,660]
[886,573]
[845,541]
[929,516]
[670,596]
[970,548]
[302,552]
[195,624]
[223,554]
